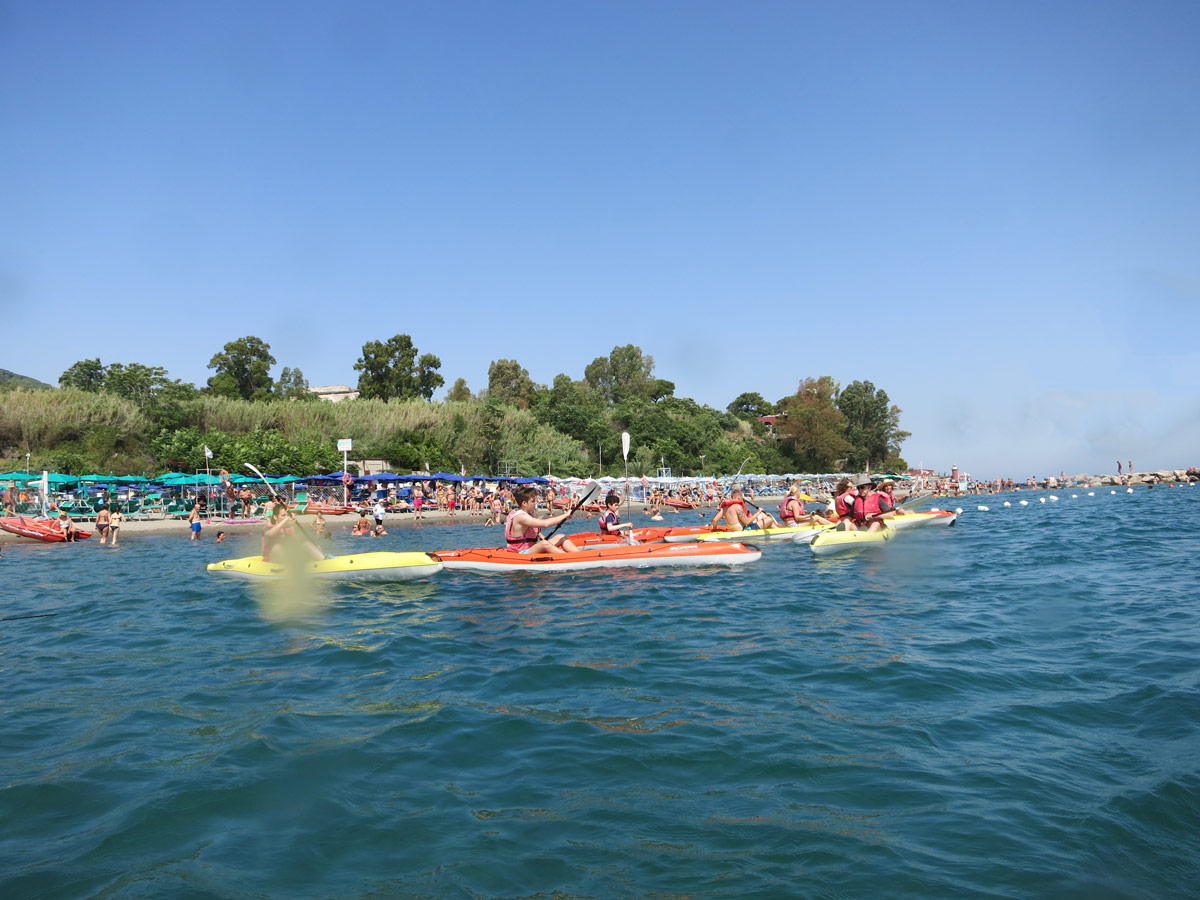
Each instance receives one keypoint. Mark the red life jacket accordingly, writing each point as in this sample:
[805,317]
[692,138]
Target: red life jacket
[785,509]
[524,542]
[609,527]
[871,505]
[843,506]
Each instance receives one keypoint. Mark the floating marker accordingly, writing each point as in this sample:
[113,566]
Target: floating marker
[1129,490]
[1043,499]
[1112,492]
[982,508]
[1006,503]
[1074,496]
[1053,498]
[958,512]
[1091,493]
[1024,502]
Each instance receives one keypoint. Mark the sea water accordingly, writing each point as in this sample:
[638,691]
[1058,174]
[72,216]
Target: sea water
[1006,708]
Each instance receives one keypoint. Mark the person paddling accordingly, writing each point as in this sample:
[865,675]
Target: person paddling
[792,512]
[737,518]
[281,530]
[523,530]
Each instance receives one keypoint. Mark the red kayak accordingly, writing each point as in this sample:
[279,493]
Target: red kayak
[39,529]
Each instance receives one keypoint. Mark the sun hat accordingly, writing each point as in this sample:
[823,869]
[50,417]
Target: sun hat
[866,479]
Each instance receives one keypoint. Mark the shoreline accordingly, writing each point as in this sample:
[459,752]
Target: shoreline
[172,526]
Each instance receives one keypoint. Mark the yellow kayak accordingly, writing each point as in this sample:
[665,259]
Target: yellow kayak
[800,534]
[351,567]
[833,541]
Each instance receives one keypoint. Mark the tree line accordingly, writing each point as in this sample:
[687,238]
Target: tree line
[572,425]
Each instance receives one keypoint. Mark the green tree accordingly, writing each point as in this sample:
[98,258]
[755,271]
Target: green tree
[813,429]
[750,406]
[459,393]
[293,385]
[872,425]
[391,370]
[624,374]
[87,375]
[135,382]
[243,370]
[509,383]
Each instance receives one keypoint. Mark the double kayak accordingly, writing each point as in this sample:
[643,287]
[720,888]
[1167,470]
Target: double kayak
[352,567]
[39,529]
[599,556]
[831,540]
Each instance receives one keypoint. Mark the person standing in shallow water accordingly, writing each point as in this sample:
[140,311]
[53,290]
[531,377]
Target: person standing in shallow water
[194,521]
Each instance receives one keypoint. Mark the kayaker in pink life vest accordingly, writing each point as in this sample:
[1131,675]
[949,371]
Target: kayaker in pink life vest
[523,530]
[737,518]
[791,510]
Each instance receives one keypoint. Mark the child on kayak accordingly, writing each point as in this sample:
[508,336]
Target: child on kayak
[523,530]
[610,522]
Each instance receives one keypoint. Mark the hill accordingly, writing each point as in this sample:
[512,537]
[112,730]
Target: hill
[10,380]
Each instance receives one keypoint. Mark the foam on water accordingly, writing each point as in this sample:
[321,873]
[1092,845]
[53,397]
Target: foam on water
[1006,708]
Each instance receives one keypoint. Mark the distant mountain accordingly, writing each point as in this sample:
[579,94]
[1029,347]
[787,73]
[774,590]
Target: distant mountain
[10,380]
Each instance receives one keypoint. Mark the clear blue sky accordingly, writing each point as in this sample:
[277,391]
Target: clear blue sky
[988,210]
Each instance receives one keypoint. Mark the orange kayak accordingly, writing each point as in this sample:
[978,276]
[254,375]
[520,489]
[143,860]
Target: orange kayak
[603,556]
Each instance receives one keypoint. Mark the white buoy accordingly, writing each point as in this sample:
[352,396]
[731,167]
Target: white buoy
[982,508]
[1006,503]
[1024,502]
[1091,493]
[1112,492]
[1129,490]
[1053,498]
[958,511]
[1043,499]
[1074,496]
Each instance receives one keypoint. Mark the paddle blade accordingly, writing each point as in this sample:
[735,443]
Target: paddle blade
[591,489]
[625,445]
[805,498]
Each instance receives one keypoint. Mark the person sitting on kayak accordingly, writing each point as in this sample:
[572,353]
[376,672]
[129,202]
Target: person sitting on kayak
[792,513]
[280,531]
[523,530]
[863,508]
[844,496]
[66,526]
[737,518]
[610,522]
[885,501]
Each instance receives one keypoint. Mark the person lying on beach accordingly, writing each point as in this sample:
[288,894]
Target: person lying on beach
[523,530]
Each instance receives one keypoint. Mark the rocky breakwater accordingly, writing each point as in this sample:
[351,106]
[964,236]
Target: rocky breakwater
[1162,476]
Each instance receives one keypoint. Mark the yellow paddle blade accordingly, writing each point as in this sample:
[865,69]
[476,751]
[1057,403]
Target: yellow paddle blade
[805,498]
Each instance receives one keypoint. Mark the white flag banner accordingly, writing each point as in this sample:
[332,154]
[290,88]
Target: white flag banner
[207,452]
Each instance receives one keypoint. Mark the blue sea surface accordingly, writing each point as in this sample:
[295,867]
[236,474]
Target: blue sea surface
[1006,708]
